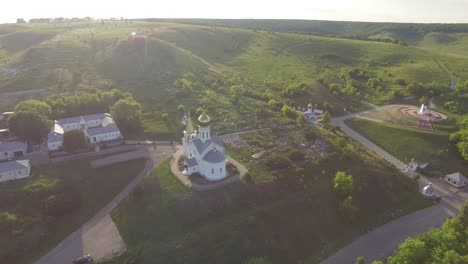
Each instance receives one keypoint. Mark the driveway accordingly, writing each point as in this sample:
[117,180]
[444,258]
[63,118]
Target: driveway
[384,240]
[99,236]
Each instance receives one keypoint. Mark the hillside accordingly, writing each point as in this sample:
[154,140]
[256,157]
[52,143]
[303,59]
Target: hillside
[97,55]
[288,68]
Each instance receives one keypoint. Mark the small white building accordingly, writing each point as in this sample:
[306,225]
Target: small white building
[423,110]
[456,179]
[203,153]
[14,170]
[428,190]
[103,134]
[12,149]
[97,127]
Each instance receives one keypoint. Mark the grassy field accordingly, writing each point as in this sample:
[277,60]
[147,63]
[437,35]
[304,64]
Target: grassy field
[282,215]
[407,143]
[55,201]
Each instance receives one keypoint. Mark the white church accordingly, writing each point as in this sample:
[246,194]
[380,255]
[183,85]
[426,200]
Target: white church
[204,153]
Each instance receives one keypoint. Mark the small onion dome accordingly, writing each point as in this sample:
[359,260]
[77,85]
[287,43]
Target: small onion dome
[204,119]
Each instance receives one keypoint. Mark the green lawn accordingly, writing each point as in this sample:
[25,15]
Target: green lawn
[407,143]
[55,201]
[288,217]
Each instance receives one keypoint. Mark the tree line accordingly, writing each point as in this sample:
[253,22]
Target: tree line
[32,119]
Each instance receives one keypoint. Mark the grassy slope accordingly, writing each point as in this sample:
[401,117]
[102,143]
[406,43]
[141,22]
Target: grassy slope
[285,216]
[35,231]
[406,143]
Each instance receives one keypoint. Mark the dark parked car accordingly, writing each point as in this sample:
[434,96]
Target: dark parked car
[83,260]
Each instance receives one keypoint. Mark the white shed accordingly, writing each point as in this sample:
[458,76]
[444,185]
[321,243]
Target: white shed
[456,179]
[14,170]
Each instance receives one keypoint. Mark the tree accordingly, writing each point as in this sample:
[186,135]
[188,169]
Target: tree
[460,138]
[360,260]
[181,108]
[235,91]
[348,210]
[289,111]
[412,251]
[343,183]
[34,106]
[326,118]
[423,99]
[127,114]
[74,140]
[29,125]
[164,116]
[300,120]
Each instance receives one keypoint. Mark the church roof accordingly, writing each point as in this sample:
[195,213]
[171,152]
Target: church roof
[191,162]
[200,145]
[214,156]
[204,118]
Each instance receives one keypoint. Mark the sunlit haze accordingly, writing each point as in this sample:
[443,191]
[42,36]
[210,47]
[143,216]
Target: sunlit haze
[425,11]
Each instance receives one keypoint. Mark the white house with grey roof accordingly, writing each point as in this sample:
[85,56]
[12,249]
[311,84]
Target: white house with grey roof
[204,153]
[12,149]
[97,127]
[14,170]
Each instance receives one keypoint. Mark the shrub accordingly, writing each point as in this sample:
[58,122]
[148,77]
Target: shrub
[343,183]
[348,210]
[288,111]
[7,219]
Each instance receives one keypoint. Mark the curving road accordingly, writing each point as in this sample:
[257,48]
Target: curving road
[382,241]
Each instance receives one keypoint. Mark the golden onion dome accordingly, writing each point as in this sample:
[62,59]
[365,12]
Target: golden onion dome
[204,119]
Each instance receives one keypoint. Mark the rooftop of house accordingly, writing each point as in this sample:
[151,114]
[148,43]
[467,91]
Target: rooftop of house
[14,165]
[12,146]
[102,130]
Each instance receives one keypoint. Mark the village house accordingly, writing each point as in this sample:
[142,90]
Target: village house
[204,153]
[97,127]
[14,170]
[12,149]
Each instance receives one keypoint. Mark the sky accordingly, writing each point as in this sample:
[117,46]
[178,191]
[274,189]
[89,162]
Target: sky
[424,11]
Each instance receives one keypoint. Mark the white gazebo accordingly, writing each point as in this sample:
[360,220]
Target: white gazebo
[456,179]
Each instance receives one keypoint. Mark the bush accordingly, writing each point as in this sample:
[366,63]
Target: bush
[343,183]
[348,210]
[289,112]
[7,219]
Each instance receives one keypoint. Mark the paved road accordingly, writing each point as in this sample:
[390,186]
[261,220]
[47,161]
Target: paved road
[98,236]
[382,241]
